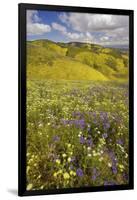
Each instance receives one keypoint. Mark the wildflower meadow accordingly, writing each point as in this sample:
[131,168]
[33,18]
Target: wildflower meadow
[77,134]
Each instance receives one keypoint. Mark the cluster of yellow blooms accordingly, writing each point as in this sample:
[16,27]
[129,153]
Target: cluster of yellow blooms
[66,175]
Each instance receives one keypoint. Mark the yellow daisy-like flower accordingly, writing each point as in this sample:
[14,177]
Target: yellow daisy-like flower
[100,159]
[69,145]
[109,164]
[121,166]
[69,159]
[89,148]
[60,171]
[29,186]
[55,174]
[64,155]
[58,161]
[66,175]
[126,155]
[72,173]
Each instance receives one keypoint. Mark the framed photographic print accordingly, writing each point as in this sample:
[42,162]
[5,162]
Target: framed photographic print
[75,99]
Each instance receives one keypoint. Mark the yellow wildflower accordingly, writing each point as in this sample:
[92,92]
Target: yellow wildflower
[69,145]
[64,155]
[58,161]
[69,159]
[29,186]
[66,175]
[72,173]
[109,164]
[55,174]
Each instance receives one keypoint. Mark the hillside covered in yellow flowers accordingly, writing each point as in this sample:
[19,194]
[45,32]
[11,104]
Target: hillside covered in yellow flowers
[75,61]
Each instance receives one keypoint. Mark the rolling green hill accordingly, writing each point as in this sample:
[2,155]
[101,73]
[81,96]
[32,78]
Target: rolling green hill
[75,61]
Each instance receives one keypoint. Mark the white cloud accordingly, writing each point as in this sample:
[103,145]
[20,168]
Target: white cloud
[100,28]
[76,36]
[104,38]
[63,17]
[64,31]
[37,29]
[34,25]
[32,16]
[93,22]
[59,27]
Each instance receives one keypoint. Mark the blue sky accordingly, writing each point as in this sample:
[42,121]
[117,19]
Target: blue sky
[47,18]
[67,26]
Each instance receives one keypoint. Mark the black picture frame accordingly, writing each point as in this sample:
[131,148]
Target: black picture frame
[22,98]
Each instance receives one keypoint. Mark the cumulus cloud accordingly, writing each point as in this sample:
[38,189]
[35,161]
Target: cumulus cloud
[34,25]
[59,27]
[76,36]
[93,22]
[37,29]
[64,31]
[102,28]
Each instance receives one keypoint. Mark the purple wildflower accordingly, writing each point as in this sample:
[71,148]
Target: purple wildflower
[82,140]
[71,167]
[56,138]
[94,175]
[106,125]
[120,141]
[65,122]
[81,123]
[89,142]
[109,183]
[79,172]
[114,162]
[114,169]
[73,159]
[77,114]
[95,121]
[103,116]
[78,123]
[105,135]
[89,128]
[125,176]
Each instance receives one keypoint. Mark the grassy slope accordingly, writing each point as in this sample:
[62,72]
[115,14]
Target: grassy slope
[49,60]
[64,69]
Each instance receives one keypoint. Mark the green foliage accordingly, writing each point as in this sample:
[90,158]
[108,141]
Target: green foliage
[115,53]
[111,62]
[126,62]
[73,51]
